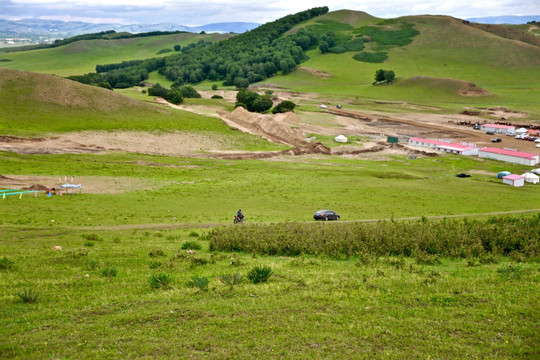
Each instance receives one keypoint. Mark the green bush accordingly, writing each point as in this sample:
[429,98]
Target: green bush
[259,274]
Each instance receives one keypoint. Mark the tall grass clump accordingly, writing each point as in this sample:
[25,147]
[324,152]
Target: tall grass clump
[191,245]
[5,263]
[160,281]
[259,274]
[200,282]
[28,296]
[457,238]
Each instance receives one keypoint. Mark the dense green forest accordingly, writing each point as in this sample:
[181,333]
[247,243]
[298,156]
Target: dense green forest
[241,60]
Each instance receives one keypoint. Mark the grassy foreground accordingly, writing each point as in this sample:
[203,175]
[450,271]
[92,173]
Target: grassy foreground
[96,301]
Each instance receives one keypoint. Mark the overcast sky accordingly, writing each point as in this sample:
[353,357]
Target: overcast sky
[192,13]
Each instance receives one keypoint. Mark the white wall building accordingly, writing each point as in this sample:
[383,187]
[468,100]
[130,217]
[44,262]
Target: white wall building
[511,156]
[502,129]
[460,149]
[514,180]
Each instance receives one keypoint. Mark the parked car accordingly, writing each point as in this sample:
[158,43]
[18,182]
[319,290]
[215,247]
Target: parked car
[496,140]
[537,141]
[325,215]
[511,134]
[463,175]
[538,145]
[490,132]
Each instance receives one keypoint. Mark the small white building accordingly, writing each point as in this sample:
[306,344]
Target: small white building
[460,149]
[514,180]
[508,155]
[341,139]
[502,129]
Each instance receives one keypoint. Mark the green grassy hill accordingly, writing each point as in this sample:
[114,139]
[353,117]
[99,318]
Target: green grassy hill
[445,48]
[82,56]
[37,104]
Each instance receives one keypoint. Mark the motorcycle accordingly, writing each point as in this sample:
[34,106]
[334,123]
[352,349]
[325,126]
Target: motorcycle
[238,220]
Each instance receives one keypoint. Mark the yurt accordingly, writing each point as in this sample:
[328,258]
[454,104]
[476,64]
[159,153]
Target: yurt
[521,131]
[503,174]
[531,178]
[341,139]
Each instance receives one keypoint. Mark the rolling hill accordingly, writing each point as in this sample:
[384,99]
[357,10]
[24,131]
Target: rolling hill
[82,56]
[32,103]
[445,48]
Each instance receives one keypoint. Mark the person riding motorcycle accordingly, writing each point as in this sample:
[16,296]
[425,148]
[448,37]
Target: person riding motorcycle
[239,217]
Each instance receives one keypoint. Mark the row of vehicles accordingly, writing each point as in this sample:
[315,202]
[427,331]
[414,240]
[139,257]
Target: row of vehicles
[529,138]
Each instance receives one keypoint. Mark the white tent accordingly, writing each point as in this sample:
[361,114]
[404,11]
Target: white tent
[536,171]
[521,130]
[531,178]
[341,139]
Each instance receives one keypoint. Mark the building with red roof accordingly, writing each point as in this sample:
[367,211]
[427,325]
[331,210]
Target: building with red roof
[509,155]
[461,149]
[514,180]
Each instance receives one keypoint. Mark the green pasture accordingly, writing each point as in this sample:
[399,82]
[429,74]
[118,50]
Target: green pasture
[445,49]
[200,191]
[95,301]
[81,57]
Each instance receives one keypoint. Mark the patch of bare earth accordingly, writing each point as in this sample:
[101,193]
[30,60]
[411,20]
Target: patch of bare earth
[90,184]
[173,144]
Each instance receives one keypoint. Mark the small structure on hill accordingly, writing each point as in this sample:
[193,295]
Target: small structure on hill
[514,180]
[341,139]
[503,174]
[531,178]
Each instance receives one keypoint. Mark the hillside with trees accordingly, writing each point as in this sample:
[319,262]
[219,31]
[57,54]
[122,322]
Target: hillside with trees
[244,59]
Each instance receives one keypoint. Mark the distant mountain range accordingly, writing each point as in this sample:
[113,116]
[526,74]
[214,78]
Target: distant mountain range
[32,31]
[507,19]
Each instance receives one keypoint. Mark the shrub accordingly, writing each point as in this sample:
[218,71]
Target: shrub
[217,97]
[199,282]
[371,57]
[155,264]
[88,243]
[5,263]
[160,281]
[283,107]
[259,274]
[194,234]
[109,271]
[214,87]
[28,296]
[191,245]
[164,51]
